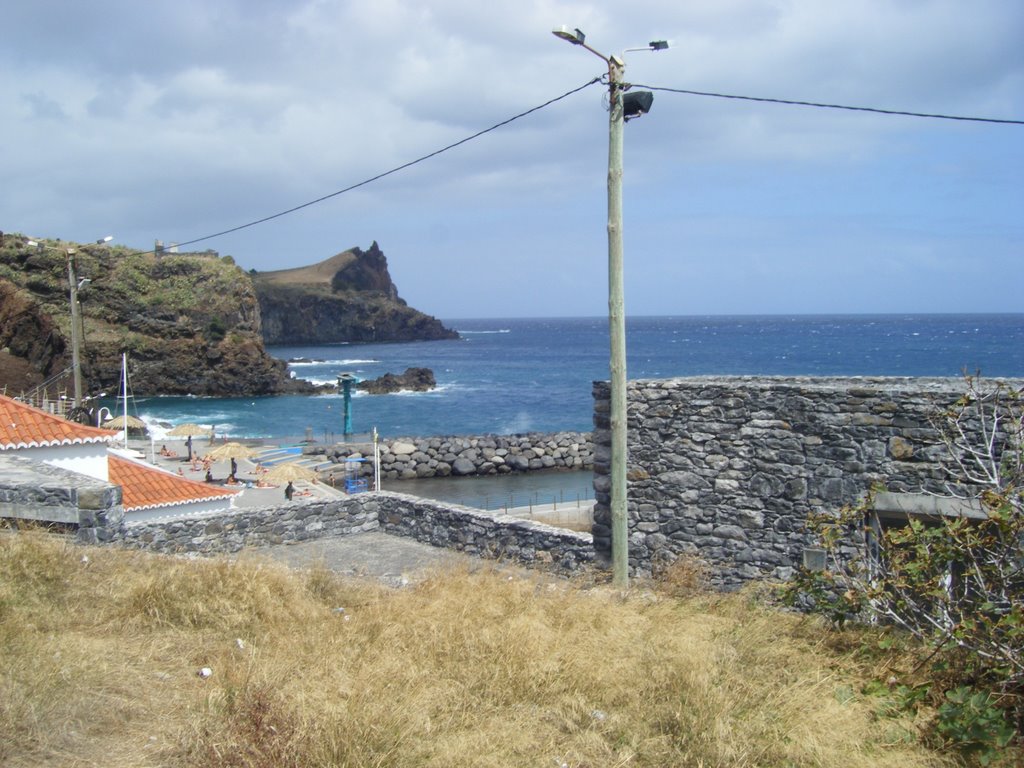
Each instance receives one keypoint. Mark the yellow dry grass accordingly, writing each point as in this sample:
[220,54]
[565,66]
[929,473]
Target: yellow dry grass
[99,662]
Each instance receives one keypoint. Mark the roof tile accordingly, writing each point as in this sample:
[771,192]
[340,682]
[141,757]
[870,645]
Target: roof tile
[147,487]
[22,426]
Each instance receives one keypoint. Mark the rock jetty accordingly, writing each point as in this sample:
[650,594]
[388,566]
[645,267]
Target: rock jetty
[412,458]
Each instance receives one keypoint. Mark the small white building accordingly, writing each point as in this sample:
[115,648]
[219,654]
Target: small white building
[147,491]
[41,436]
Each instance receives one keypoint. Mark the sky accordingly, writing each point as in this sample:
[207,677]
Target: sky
[176,120]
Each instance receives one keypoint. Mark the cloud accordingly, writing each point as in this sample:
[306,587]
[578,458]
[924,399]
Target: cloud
[174,120]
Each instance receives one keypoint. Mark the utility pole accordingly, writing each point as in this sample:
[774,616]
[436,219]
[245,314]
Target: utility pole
[617,327]
[617,112]
[76,352]
[77,329]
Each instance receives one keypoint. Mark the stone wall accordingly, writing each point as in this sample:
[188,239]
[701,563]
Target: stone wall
[485,534]
[32,490]
[411,458]
[468,530]
[728,468]
[232,531]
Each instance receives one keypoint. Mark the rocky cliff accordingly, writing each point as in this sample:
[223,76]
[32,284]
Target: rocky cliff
[190,323]
[348,297]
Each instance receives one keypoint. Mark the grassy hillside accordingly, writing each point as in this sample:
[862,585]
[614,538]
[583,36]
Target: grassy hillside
[101,650]
[320,274]
[189,322]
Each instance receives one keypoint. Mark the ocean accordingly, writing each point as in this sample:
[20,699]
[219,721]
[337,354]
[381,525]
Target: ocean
[523,375]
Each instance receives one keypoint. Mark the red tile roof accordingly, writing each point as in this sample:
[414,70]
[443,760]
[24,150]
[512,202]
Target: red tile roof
[22,426]
[147,487]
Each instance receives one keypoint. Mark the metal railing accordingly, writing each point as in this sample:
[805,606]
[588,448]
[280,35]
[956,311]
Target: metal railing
[40,397]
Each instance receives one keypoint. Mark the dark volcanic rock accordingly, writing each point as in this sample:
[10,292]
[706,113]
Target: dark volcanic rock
[190,323]
[414,379]
[350,297]
[31,348]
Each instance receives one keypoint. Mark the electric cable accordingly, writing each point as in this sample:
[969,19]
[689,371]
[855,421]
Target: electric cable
[602,78]
[819,105]
[402,167]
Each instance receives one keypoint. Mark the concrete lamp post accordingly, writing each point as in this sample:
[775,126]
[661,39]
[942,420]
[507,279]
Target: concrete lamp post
[621,107]
[76,321]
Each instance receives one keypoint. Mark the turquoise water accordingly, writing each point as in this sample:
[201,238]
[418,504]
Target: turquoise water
[521,375]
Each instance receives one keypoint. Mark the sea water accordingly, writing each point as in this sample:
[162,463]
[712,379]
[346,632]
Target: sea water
[522,375]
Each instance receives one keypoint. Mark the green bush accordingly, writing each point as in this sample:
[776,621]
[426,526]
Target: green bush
[954,583]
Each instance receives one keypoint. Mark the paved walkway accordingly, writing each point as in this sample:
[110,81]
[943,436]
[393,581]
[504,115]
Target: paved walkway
[392,560]
[250,496]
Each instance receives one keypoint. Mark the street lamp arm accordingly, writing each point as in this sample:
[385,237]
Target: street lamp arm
[616,64]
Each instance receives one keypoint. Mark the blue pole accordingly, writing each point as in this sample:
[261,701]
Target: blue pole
[347,391]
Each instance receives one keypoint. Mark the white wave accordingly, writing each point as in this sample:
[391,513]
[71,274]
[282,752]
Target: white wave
[435,391]
[158,428]
[522,422]
[469,333]
[349,361]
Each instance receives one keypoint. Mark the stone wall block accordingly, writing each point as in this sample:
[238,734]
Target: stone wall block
[737,463]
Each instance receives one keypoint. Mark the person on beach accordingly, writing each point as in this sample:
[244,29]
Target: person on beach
[289,491]
[209,476]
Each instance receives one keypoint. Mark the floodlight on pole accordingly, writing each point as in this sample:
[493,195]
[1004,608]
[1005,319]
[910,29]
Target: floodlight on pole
[618,113]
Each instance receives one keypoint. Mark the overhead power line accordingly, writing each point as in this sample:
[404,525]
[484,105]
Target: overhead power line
[683,91]
[792,102]
[402,167]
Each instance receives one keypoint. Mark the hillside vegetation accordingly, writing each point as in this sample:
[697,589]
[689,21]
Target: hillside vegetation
[189,323]
[102,651]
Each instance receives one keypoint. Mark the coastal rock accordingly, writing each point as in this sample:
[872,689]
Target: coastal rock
[31,349]
[463,467]
[349,297]
[413,380]
[191,323]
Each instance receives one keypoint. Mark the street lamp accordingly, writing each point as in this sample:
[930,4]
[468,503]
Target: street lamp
[74,284]
[619,110]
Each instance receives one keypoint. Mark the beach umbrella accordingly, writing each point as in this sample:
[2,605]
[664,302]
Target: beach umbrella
[232,451]
[118,422]
[188,430]
[290,471]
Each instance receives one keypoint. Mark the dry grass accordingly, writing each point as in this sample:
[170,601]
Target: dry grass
[98,666]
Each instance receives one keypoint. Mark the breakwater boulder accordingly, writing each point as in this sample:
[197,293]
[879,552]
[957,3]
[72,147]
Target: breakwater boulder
[424,457]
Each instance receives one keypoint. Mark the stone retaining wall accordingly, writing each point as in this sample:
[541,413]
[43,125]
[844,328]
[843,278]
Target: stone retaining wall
[728,468]
[468,530]
[32,490]
[411,458]
[232,531]
[484,534]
